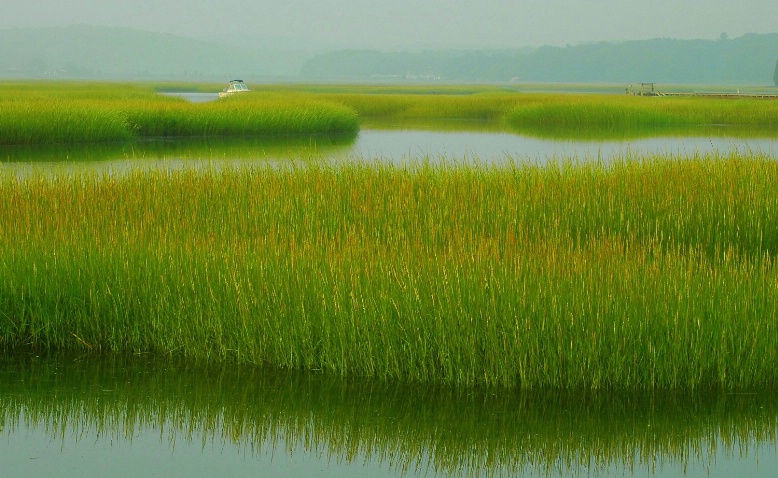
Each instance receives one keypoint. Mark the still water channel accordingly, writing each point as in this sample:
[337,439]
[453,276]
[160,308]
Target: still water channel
[398,144]
[93,416]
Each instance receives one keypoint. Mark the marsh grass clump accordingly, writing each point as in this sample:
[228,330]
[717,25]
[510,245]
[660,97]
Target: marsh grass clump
[646,274]
[101,113]
[49,122]
[547,113]
[595,112]
[244,116]
[485,106]
[95,112]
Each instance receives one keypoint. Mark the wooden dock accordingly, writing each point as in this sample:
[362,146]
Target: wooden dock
[767,96]
[649,89]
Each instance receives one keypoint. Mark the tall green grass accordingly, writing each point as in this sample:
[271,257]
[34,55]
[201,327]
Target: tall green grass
[477,106]
[83,112]
[595,112]
[97,113]
[554,111]
[650,273]
[56,121]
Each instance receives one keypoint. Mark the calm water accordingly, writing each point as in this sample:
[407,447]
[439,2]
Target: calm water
[496,147]
[470,143]
[145,417]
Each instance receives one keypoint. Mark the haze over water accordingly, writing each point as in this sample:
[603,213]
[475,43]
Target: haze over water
[407,24]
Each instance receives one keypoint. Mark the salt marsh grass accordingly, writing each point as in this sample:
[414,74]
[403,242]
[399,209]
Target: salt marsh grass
[475,106]
[78,113]
[89,112]
[552,111]
[649,273]
[629,112]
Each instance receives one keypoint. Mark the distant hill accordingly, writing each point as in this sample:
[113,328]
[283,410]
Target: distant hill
[83,51]
[90,52]
[749,59]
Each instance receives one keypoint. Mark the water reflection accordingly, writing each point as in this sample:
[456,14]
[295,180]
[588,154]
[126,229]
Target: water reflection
[486,142]
[189,148]
[409,141]
[161,414]
[192,96]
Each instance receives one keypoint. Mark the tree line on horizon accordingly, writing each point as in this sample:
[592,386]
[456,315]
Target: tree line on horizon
[747,59]
[88,52]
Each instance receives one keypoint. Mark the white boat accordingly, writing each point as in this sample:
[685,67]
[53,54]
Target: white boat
[236,86]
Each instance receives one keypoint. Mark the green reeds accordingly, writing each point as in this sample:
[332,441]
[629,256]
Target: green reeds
[552,111]
[650,273]
[250,114]
[477,107]
[99,113]
[57,121]
[67,113]
[595,112]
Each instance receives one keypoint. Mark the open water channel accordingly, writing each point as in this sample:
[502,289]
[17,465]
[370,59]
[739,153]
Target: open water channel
[99,416]
[441,141]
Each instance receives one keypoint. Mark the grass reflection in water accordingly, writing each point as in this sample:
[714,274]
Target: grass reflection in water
[415,429]
[135,152]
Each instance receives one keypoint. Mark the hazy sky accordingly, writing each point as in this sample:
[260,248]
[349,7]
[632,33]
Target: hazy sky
[394,24]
